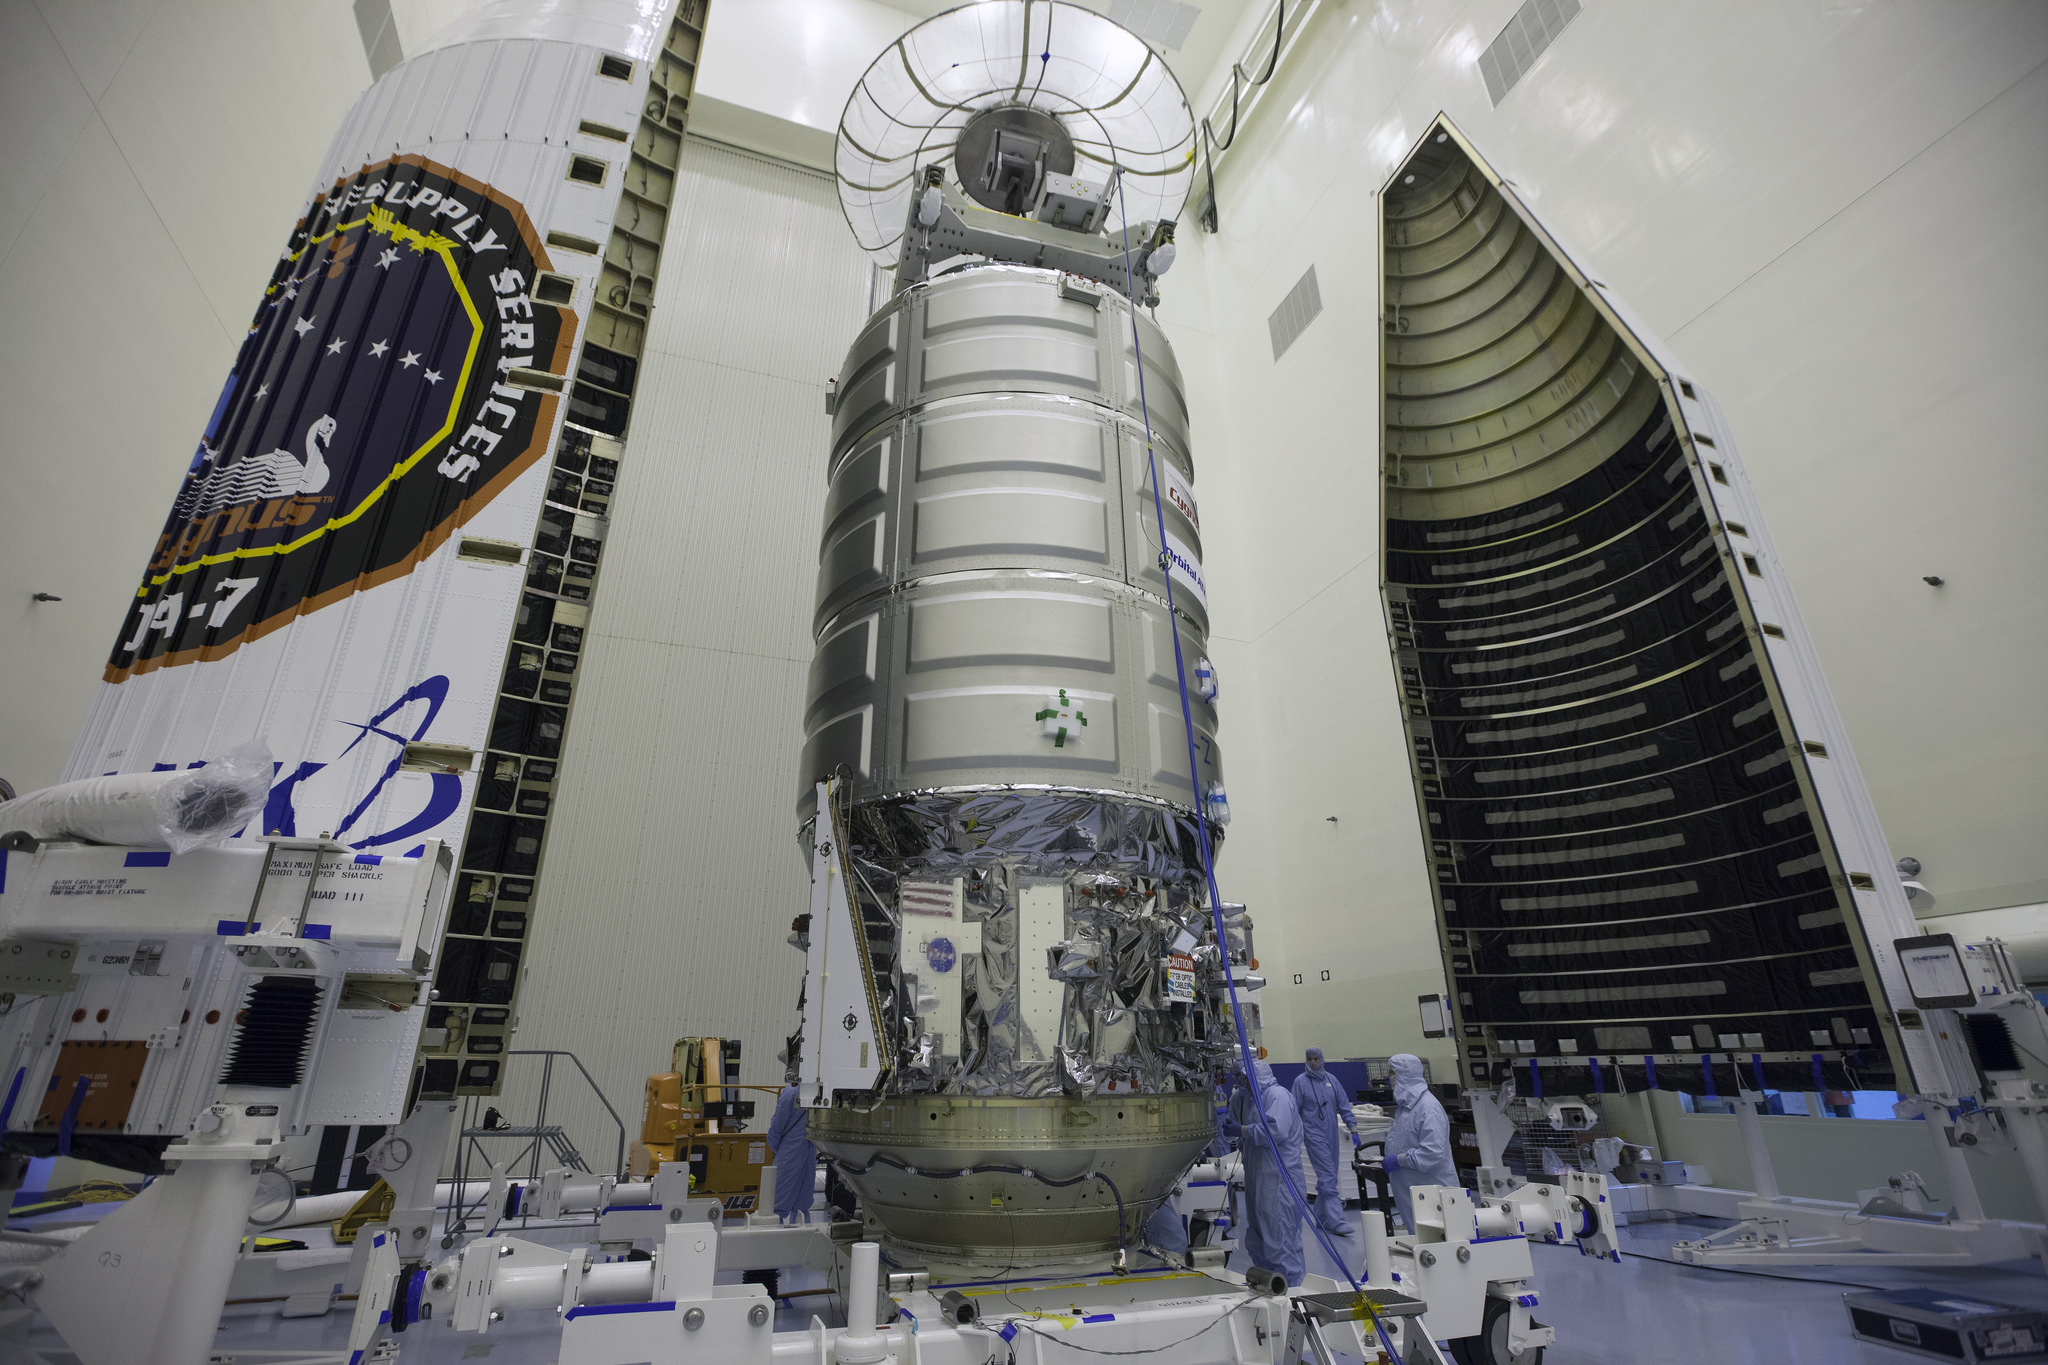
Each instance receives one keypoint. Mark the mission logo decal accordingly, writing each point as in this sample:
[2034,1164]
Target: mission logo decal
[367,416]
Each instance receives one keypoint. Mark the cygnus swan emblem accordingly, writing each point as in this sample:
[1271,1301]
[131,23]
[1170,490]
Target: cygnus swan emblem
[280,474]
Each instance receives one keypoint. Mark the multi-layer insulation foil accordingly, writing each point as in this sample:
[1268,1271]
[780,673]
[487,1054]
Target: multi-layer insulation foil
[1649,843]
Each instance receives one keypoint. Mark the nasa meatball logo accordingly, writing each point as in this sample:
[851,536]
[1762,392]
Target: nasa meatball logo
[940,954]
[370,412]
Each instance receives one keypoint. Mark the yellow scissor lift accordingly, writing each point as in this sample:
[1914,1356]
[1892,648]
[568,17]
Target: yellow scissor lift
[694,1111]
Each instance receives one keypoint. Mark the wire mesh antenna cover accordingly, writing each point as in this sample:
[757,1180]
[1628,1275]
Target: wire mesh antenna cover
[1303,305]
[275,1024]
[1527,37]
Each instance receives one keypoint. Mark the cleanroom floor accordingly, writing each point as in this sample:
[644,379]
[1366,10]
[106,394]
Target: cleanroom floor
[1646,1310]
[1649,1310]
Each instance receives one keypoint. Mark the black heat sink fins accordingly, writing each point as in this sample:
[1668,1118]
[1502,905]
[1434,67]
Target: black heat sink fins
[273,1031]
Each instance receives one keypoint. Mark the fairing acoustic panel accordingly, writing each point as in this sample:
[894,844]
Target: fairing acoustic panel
[1649,845]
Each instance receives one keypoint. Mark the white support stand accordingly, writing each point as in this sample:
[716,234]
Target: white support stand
[1495,1130]
[1775,1228]
[2026,1120]
[1961,1184]
[426,1133]
[145,1286]
[1761,1172]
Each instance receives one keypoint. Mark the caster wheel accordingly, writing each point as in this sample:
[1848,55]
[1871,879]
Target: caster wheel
[448,1241]
[1490,1347]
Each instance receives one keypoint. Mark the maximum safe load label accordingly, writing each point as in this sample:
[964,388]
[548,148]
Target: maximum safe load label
[368,413]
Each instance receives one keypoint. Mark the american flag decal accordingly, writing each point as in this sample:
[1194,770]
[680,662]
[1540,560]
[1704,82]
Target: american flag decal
[933,899]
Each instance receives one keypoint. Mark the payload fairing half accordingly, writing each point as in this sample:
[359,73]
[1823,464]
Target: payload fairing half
[1654,860]
[382,558]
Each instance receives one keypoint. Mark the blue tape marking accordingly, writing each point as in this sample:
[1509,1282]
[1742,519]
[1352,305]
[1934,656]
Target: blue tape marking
[1650,1071]
[69,1122]
[13,1094]
[147,860]
[1009,1332]
[415,1285]
[1526,1300]
[599,1310]
[356,1357]
[1200,1184]
[1535,1079]
[1756,1067]
[1504,1237]
[378,1240]
[1819,1081]
[1100,1317]
[317,931]
[512,1202]
[1599,1086]
[630,1208]
[1707,1070]
[234,928]
[383,1319]
[369,859]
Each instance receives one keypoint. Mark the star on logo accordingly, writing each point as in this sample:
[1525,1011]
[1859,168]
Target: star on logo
[410,359]
[291,291]
[303,326]
[334,346]
[378,348]
[433,377]
[384,261]
[262,391]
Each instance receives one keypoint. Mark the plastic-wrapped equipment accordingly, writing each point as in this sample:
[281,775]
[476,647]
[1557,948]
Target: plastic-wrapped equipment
[180,810]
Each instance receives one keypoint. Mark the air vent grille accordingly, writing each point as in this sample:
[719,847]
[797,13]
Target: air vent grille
[1303,304]
[1533,29]
[274,1027]
[1164,24]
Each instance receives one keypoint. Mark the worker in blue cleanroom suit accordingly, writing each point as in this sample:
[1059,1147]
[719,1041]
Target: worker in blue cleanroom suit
[1167,1230]
[1272,1225]
[1324,1107]
[1419,1143]
[796,1160]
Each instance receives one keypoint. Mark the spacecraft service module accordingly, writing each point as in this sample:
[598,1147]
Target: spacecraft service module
[994,720]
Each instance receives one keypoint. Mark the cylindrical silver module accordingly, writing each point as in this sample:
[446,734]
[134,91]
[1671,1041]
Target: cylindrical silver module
[995,681]
[991,545]
[1010,601]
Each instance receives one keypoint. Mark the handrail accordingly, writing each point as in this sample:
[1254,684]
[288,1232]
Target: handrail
[546,1080]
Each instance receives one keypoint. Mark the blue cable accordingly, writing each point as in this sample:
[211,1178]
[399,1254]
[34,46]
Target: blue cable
[1194,777]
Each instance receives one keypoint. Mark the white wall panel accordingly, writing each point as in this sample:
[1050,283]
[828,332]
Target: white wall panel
[148,146]
[1776,189]
[673,871]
